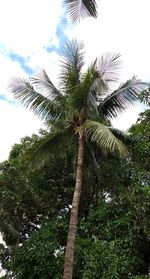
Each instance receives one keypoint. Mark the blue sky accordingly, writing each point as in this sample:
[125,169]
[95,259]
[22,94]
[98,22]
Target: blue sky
[32,33]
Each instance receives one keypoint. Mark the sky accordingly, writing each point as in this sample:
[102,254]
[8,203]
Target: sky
[33,32]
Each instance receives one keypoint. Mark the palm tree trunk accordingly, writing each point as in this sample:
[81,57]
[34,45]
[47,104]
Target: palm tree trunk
[69,256]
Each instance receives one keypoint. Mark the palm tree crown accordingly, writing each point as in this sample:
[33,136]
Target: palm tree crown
[83,101]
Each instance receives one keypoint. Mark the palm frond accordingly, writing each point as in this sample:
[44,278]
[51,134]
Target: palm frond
[49,145]
[31,99]
[80,97]
[127,94]
[81,8]
[108,67]
[106,72]
[103,137]
[44,84]
[71,64]
[121,135]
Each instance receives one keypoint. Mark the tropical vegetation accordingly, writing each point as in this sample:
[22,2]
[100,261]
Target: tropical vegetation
[114,229]
[79,109]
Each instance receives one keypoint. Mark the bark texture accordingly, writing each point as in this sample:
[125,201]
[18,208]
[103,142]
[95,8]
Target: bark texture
[69,256]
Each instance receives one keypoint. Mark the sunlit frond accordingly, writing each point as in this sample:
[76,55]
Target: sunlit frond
[73,55]
[108,67]
[106,72]
[41,105]
[120,99]
[81,8]
[103,137]
[43,84]
[80,97]
[71,65]
[122,135]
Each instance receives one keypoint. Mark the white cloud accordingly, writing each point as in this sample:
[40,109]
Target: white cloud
[49,61]
[31,27]
[28,25]
[16,122]
[8,68]
[121,26]
[1,241]
[127,118]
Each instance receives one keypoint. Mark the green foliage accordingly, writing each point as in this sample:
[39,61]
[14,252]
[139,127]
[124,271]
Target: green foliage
[114,229]
[81,97]
[27,198]
[115,259]
[104,138]
[141,141]
[118,233]
[41,256]
[115,235]
[77,107]
[145,97]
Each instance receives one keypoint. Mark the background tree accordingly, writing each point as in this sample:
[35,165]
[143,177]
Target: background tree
[145,97]
[113,236]
[27,198]
[79,109]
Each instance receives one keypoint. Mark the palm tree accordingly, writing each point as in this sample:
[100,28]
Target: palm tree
[81,8]
[78,110]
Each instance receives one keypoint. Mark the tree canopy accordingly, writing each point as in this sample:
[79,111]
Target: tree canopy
[78,110]
[113,236]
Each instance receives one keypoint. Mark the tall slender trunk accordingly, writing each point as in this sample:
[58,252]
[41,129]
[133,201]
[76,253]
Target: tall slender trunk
[69,256]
